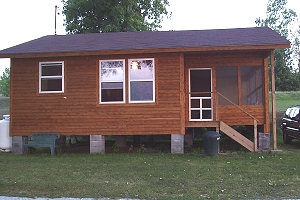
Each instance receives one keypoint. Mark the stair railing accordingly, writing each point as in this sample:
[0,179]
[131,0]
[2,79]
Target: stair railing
[254,119]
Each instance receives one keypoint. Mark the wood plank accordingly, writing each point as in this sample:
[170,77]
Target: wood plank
[255,135]
[237,136]
[182,94]
[202,124]
[234,116]
[273,101]
[266,93]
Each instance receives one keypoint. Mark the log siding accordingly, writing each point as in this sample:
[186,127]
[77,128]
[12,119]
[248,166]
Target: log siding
[77,111]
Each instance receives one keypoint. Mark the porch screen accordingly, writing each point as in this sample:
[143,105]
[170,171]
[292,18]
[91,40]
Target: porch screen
[252,93]
[227,85]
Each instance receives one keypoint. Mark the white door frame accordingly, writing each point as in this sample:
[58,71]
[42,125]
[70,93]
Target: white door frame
[196,113]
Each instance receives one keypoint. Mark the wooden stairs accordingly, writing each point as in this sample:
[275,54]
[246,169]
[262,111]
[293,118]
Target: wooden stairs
[251,146]
[221,126]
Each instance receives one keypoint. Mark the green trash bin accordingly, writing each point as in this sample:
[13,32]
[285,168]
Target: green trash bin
[211,143]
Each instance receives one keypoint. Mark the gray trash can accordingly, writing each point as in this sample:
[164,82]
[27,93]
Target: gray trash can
[211,143]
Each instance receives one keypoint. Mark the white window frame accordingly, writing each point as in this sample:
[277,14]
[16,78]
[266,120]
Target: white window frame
[141,80]
[100,81]
[41,64]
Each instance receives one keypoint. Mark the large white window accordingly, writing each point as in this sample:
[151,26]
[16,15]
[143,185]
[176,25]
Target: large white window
[112,82]
[141,80]
[51,77]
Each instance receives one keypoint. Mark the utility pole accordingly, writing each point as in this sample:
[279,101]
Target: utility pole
[56,13]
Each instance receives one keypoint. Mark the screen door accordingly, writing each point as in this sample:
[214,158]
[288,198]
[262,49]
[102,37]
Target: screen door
[200,96]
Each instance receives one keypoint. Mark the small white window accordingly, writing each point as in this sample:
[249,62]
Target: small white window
[112,82]
[51,77]
[141,80]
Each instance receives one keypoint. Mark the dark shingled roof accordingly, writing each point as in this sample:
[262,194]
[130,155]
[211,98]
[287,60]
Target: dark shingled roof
[258,36]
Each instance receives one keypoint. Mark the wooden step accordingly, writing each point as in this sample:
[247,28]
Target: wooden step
[237,136]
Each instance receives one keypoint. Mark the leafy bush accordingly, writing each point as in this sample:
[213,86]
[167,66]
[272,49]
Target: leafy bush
[5,82]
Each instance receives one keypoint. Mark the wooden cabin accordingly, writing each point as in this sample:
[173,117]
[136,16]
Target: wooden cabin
[142,83]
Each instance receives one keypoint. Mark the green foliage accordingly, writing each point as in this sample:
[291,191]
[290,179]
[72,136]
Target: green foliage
[5,82]
[296,46]
[141,149]
[94,16]
[286,78]
[115,149]
[280,19]
[4,106]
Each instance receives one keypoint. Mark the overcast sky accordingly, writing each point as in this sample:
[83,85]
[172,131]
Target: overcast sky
[24,20]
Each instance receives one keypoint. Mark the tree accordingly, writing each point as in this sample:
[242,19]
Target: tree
[5,82]
[94,16]
[278,17]
[296,47]
[281,19]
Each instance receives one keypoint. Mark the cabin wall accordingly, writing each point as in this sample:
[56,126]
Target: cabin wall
[231,114]
[77,111]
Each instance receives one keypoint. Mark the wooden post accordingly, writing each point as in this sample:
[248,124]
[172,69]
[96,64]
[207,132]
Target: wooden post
[182,95]
[273,101]
[217,105]
[255,135]
[266,99]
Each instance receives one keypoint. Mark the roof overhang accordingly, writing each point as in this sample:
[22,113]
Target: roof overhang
[149,51]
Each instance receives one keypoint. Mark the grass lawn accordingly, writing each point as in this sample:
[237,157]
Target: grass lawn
[286,99]
[237,175]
